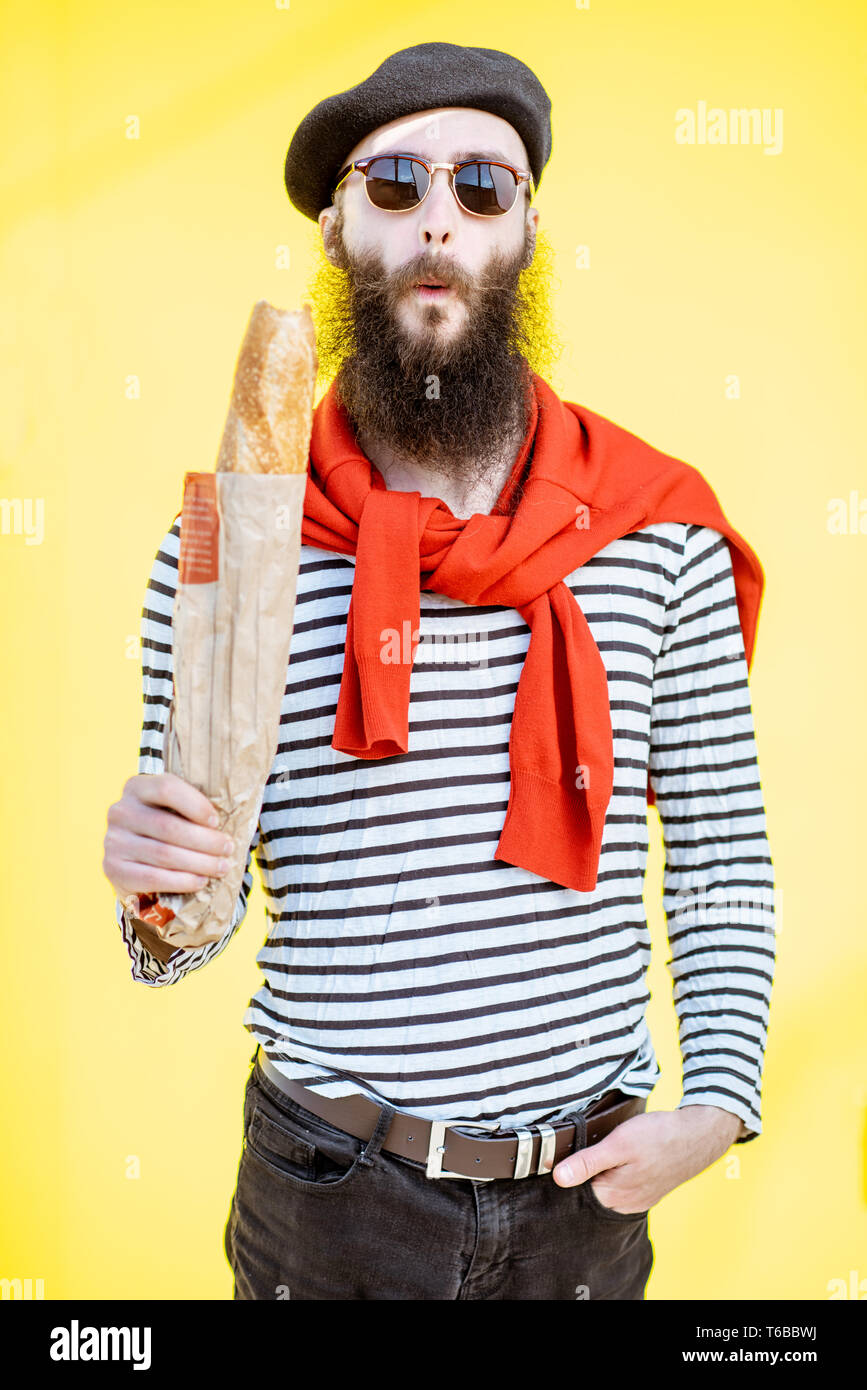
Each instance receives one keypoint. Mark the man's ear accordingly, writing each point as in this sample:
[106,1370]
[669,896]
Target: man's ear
[325,219]
[530,233]
[328,227]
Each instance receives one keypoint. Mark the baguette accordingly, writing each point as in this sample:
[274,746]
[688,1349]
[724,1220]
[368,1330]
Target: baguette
[233,616]
[271,411]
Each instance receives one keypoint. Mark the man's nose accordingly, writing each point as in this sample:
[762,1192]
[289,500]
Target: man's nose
[439,212]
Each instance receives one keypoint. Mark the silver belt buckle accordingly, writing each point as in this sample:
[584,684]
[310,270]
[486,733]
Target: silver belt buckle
[436,1147]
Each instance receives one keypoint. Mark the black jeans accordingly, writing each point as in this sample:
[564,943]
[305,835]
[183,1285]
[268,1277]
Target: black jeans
[319,1214]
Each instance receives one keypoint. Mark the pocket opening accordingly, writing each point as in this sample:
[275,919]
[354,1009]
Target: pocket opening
[298,1156]
[610,1212]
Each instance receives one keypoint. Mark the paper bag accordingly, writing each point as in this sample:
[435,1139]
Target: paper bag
[234,608]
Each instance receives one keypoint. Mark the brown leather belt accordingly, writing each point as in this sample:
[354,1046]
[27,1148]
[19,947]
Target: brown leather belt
[531,1150]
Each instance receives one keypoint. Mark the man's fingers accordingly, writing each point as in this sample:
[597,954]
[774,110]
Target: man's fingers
[142,819]
[144,878]
[165,789]
[127,847]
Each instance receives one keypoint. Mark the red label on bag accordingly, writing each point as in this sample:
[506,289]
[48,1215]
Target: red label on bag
[199,561]
[151,910]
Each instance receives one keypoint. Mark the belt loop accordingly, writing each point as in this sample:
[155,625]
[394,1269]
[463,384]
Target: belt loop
[579,1120]
[374,1143]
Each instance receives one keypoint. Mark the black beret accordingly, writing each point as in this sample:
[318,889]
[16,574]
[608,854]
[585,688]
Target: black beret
[415,79]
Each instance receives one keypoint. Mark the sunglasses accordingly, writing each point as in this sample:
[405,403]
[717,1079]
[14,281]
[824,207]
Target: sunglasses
[400,182]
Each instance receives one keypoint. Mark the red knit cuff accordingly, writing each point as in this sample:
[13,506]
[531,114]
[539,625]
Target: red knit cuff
[551,831]
[386,709]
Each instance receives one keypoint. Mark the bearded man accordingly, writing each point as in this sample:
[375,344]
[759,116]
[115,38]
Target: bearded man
[516,625]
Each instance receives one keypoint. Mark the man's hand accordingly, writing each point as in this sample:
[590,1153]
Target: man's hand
[162,837]
[649,1155]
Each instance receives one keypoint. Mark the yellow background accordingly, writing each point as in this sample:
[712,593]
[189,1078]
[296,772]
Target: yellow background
[143,257]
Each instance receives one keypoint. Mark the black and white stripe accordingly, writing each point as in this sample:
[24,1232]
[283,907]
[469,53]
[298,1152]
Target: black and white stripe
[402,959]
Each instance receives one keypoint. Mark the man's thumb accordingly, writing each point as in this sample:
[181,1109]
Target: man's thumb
[584,1164]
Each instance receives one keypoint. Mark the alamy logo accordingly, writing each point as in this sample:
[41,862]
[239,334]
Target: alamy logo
[22,1288]
[23,516]
[102,1344]
[742,125]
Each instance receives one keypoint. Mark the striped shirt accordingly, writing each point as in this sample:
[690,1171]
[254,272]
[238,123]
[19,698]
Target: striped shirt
[401,959]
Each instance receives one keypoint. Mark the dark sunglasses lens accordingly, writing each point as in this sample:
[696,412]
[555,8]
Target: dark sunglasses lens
[395,183]
[487,189]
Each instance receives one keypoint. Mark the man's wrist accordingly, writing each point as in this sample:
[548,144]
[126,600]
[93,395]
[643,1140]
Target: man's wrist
[725,1123]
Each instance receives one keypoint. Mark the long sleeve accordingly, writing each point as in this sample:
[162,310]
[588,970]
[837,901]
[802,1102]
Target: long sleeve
[156,668]
[718,889]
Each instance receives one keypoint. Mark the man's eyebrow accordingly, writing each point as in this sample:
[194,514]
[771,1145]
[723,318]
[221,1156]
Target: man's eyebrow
[481,154]
[461,155]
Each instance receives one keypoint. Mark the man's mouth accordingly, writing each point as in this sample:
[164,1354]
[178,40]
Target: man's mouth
[432,288]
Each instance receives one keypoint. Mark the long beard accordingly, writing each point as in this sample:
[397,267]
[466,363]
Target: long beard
[453,405]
